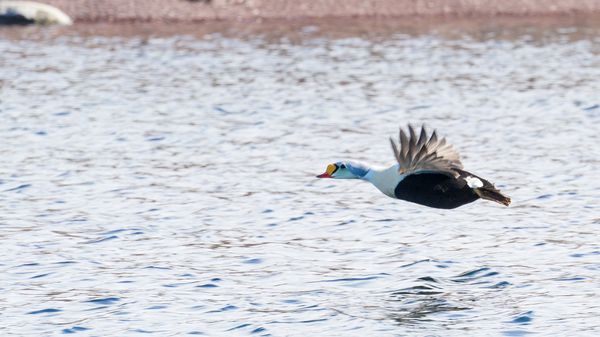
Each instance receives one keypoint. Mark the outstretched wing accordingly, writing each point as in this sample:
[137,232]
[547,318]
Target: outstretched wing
[422,153]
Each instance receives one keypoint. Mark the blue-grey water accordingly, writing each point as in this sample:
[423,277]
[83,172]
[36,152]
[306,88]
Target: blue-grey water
[163,183]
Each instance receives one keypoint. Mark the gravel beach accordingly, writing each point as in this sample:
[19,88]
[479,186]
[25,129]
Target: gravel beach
[204,10]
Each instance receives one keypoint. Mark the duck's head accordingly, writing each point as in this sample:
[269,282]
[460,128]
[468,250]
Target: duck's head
[345,170]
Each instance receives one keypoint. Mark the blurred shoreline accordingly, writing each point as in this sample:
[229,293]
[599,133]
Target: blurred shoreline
[257,10]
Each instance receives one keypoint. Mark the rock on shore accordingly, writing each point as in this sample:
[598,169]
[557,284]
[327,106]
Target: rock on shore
[26,12]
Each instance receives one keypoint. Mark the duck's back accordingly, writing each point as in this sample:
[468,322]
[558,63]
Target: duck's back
[435,190]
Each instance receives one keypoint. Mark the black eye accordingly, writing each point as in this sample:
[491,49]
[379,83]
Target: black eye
[342,166]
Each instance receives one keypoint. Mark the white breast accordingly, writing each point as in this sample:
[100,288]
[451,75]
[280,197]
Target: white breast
[385,180]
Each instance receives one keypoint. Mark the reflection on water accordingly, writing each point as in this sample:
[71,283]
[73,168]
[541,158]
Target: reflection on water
[159,177]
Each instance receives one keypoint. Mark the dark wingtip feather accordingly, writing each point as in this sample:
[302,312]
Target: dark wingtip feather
[413,134]
[395,148]
[422,136]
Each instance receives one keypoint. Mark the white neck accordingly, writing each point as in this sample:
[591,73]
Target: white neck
[385,179]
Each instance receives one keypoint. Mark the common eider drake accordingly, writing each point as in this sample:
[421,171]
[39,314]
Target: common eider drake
[428,172]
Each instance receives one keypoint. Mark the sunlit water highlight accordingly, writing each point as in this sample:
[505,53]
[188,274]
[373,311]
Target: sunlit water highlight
[164,183]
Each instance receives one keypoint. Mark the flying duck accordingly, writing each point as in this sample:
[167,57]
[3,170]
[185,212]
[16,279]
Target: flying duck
[428,172]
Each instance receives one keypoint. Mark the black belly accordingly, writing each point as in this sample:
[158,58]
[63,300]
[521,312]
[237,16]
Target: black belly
[435,190]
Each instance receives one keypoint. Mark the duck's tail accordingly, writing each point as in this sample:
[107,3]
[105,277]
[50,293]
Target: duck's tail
[493,194]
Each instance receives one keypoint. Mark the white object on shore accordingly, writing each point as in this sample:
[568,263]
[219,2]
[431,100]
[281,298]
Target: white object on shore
[37,12]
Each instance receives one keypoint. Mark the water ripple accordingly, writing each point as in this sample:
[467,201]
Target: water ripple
[161,174]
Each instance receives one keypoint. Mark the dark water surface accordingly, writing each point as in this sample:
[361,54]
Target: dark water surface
[162,182]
